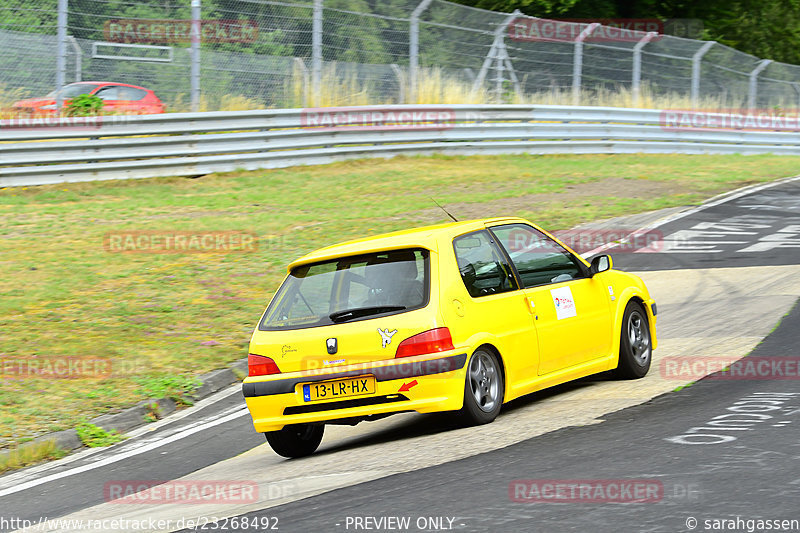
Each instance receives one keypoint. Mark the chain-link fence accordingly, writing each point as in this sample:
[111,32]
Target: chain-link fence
[242,54]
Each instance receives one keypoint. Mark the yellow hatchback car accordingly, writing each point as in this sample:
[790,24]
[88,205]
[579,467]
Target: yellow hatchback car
[457,317]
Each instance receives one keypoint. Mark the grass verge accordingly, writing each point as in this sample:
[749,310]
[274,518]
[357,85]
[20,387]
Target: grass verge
[20,457]
[161,319]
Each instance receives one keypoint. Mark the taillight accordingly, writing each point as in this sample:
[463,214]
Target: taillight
[431,341]
[258,365]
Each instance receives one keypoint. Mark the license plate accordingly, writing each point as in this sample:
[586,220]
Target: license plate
[341,388]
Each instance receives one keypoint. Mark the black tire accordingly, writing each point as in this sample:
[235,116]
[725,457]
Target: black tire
[484,388]
[296,440]
[635,348]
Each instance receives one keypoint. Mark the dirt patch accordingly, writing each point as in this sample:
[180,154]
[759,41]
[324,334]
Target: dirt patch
[514,205]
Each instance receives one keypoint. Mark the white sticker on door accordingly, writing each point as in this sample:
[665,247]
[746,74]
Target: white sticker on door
[565,304]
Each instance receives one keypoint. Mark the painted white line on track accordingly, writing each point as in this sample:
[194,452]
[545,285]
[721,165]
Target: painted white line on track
[15,478]
[125,455]
[712,202]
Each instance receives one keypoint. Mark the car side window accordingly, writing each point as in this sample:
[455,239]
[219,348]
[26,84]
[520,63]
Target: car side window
[131,93]
[108,93]
[483,267]
[538,258]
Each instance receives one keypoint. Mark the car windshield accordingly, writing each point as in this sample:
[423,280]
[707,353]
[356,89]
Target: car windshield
[350,289]
[71,91]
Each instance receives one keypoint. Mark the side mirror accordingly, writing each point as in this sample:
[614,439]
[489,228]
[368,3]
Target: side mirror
[600,263]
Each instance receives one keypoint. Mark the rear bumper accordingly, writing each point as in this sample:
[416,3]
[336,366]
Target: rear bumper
[410,384]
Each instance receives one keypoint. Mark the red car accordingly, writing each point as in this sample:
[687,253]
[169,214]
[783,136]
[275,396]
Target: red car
[117,98]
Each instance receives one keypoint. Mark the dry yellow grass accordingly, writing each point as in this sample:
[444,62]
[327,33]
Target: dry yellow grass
[7,98]
[27,455]
[340,86]
[436,87]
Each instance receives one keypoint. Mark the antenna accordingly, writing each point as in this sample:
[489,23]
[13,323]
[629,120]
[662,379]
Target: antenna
[443,209]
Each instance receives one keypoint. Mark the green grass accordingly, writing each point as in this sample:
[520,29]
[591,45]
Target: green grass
[163,319]
[176,387]
[97,437]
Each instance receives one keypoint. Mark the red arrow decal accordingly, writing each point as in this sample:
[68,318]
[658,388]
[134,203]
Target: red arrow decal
[407,386]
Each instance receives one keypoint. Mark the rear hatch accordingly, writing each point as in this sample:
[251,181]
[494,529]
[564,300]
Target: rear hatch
[345,311]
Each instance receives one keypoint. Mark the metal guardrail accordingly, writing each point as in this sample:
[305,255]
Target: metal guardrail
[42,151]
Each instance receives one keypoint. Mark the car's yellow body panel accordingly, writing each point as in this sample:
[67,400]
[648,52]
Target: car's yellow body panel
[535,347]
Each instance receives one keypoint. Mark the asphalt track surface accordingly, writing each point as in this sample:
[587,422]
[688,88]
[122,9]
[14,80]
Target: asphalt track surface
[747,477]
[760,228]
[698,475]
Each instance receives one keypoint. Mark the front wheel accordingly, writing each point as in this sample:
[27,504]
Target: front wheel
[296,440]
[635,349]
[484,388]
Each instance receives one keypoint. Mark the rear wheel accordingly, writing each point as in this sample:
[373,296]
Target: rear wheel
[296,440]
[484,388]
[635,349]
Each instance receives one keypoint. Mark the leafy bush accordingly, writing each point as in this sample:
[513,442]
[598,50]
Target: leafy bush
[97,437]
[84,105]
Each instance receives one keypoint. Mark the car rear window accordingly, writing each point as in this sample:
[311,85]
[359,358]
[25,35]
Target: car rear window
[349,289]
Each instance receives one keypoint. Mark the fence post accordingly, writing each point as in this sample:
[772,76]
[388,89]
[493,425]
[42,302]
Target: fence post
[413,49]
[796,88]
[496,51]
[637,66]
[577,62]
[752,93]
[316,53]
[300,67]
[78,56]
[499,78]
[696,70]
[61,52]
[401,82]
[195,56]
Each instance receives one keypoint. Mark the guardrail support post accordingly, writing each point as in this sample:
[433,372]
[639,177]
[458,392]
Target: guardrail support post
[696,58]
[577,62]
[752,93]
[61,52]
[637,66]
[316,53]
[413,49]
[195,56]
